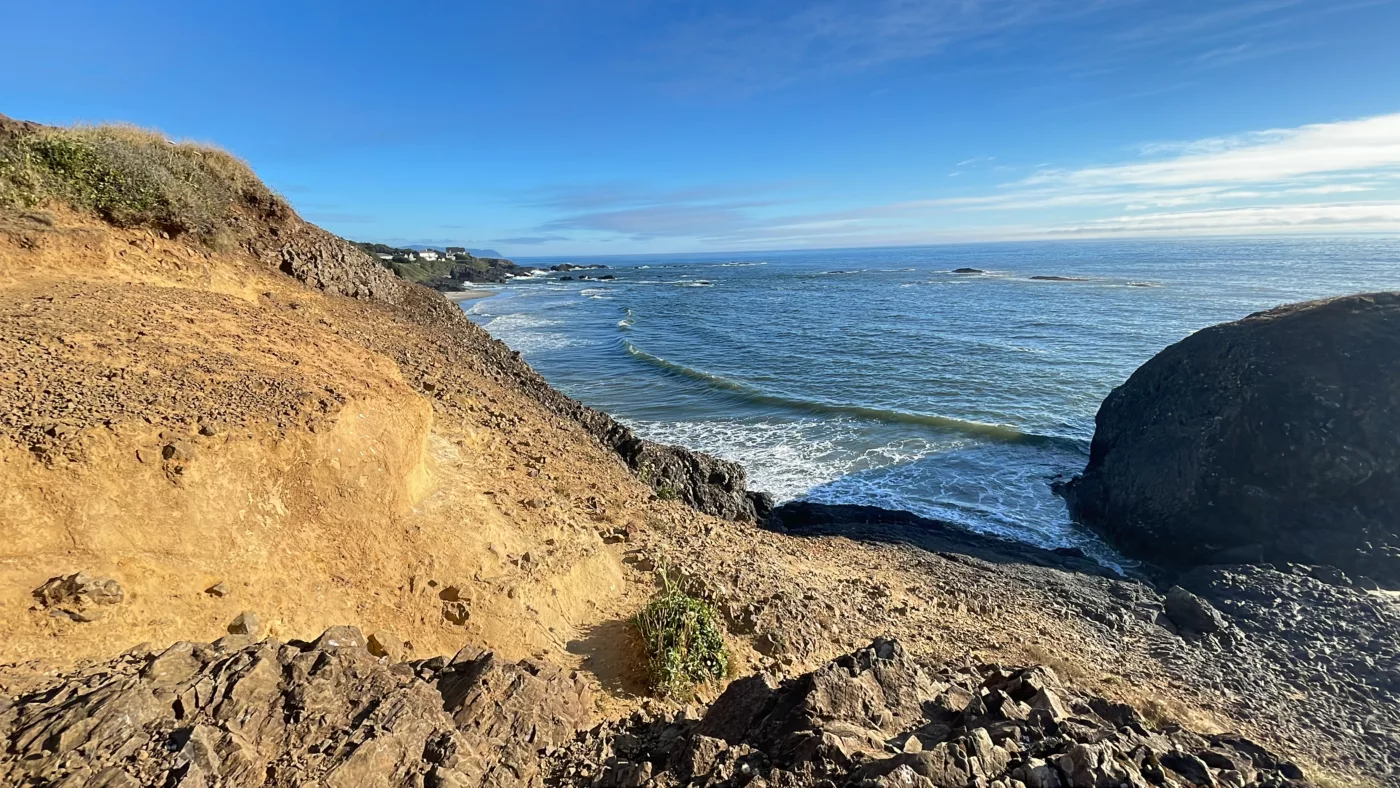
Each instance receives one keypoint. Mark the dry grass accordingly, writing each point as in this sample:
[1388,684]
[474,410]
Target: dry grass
[132,177]
[1328,778]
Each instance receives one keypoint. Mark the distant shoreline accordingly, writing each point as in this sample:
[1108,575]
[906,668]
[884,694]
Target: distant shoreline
[457,296]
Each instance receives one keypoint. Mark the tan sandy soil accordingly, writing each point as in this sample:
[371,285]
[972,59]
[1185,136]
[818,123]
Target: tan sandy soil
[175,418]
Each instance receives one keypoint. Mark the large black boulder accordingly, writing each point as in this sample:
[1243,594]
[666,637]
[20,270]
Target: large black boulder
[1275,438]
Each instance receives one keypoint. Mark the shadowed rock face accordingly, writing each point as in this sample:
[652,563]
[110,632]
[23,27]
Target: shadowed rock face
[878,718]
[243,713]
[1275,438]
[331,264]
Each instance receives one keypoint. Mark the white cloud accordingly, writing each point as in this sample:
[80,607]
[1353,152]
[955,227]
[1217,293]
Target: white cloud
[1271,156]
[1273,181]
[1319,217]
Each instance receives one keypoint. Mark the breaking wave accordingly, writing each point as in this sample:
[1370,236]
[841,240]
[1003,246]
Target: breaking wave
[998,432]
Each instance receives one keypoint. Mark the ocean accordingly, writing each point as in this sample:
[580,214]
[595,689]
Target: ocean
[879,376]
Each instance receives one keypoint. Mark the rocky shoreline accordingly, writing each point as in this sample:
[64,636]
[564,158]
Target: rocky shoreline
[269,440]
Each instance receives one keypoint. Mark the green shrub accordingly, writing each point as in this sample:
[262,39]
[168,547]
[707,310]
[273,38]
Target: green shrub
[131,177]
[684,642]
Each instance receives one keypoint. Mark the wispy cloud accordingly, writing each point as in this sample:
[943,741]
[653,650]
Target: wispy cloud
[530,240]
[773,44]
[1315,217]
[1269,156]
[1270,181]
[640,213]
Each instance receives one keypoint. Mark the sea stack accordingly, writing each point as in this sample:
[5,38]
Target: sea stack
[1275,438]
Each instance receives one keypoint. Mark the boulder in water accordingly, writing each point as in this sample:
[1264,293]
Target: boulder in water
[1275,438]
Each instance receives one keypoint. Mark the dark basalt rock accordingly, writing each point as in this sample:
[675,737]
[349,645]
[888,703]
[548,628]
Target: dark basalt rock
[1275,438]
[1191,613]
[873,523]
[876,717]
[242,713]
[1043,278]
[968,271]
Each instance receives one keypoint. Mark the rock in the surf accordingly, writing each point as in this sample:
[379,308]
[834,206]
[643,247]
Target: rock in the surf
[1275,438]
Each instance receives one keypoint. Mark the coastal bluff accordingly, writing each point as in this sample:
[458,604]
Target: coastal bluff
[1275,438]
[275,516]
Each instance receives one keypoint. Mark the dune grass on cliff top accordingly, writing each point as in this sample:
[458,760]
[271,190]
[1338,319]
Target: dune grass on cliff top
[131,177]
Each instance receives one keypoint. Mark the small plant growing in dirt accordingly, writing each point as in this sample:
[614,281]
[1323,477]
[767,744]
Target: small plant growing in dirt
[683,639]
[667,493]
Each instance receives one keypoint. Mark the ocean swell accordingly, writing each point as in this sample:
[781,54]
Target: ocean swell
[997,432]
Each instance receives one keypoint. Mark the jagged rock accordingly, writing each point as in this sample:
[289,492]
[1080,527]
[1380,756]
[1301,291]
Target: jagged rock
[177,451]
[1189,611]
[219,589]
[273,714]
[876,718]
[340,637]
[456,612]
[383,643]
[1275,438]
[246,623]
[77,596]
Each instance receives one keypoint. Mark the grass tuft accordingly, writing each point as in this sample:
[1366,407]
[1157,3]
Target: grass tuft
[684,642]
[131,177]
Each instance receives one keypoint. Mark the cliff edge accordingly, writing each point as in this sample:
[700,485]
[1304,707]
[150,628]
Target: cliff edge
[272,512]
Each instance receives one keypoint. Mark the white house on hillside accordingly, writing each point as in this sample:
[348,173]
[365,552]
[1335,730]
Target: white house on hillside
[428,254]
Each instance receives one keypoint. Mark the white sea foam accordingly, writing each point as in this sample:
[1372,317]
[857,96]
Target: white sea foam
[958,479]
[530,333]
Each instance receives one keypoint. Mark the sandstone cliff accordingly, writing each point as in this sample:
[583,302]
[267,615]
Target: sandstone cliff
[225,432]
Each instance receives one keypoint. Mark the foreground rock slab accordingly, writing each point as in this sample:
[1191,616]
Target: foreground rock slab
[242,713]
[876,717]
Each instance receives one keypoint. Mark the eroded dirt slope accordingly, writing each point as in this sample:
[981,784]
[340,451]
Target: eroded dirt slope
[280,429]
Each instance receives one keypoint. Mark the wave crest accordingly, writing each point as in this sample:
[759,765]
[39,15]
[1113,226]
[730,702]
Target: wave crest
[998,432]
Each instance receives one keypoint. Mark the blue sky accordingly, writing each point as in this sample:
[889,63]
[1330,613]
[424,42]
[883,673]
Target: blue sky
[582,127]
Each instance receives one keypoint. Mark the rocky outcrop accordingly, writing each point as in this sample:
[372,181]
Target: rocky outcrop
[893,525]
[242,713]
[268,230]
[877,718]
[1275,438]
[323,261]
[79,596]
